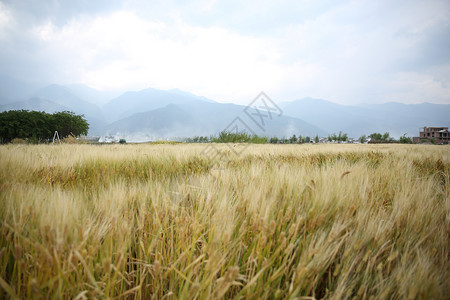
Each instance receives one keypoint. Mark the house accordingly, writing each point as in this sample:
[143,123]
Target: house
[438,135]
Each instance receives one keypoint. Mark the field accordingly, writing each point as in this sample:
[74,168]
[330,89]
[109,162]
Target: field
[277,221]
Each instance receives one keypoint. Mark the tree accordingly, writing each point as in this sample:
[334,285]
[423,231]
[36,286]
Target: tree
[67,123]
[375,137]
[380,138]
[362,139]
[341,137]
[37,126]
[405,140]
[316,139]
[274,140]
[293,139]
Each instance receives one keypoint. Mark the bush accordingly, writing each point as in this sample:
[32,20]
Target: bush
[19,141]
[70,139]
[33,140]
[239,137]
[405,140]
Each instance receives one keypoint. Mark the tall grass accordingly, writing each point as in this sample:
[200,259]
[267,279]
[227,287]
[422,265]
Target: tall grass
[278,221]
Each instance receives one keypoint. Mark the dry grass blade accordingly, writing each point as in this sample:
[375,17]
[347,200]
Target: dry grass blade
[279,221]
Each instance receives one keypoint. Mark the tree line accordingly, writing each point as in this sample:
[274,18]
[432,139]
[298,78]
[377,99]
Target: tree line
[377,138]
[229,137]
[36,127]
[242,137]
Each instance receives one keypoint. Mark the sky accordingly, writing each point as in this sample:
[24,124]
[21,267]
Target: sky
[347,52]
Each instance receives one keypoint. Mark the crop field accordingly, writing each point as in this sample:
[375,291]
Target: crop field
[276,221]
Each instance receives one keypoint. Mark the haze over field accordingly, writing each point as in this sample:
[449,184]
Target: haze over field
[181,61]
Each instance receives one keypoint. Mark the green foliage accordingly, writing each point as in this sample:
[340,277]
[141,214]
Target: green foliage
[375,136]
[122,141]
[363,138]
[67,123]
[273,140]
[405,140]
[293,139]
[36,126]
[198,139]
[342,137]
[316,139]
[239,137]
[304,139]
[380,138]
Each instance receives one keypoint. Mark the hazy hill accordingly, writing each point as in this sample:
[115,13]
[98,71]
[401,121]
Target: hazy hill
[36,104]
[179,113]
[14,90]
[169,121]
[206,118]
[149,99]
[91,95]
[64,96]
[395,118]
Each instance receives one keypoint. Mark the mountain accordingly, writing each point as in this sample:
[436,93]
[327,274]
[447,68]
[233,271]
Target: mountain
[91,95]
[204,119]
[395,118]
[55,98]
[169,121]
[429,113]
[34,104]
[64,96]
[14,90]
[179,113]
[187,94]
[149,99]
[218,116]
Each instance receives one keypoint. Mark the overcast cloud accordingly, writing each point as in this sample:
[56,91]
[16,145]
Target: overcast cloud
[344,51]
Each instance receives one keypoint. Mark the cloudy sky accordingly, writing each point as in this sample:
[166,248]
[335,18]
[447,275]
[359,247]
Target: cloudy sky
[228,50]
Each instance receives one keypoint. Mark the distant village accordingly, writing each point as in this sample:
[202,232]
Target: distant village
[427,135]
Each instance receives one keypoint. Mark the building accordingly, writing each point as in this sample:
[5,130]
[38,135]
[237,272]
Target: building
[438,135]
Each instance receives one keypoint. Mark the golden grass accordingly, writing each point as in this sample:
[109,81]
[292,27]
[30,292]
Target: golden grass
[279,221]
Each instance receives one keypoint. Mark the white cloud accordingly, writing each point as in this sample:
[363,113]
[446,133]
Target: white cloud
[357,51]
[6,21]
[124,51]
[354,54]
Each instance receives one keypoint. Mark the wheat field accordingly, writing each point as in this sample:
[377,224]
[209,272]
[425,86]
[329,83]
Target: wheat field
[155,221]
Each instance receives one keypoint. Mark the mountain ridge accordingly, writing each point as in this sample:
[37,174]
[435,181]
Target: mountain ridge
[394,117]
[202,116]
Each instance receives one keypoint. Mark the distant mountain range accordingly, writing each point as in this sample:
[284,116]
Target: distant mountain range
[149,99]
[395,118]
[175,113]
[200,118]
